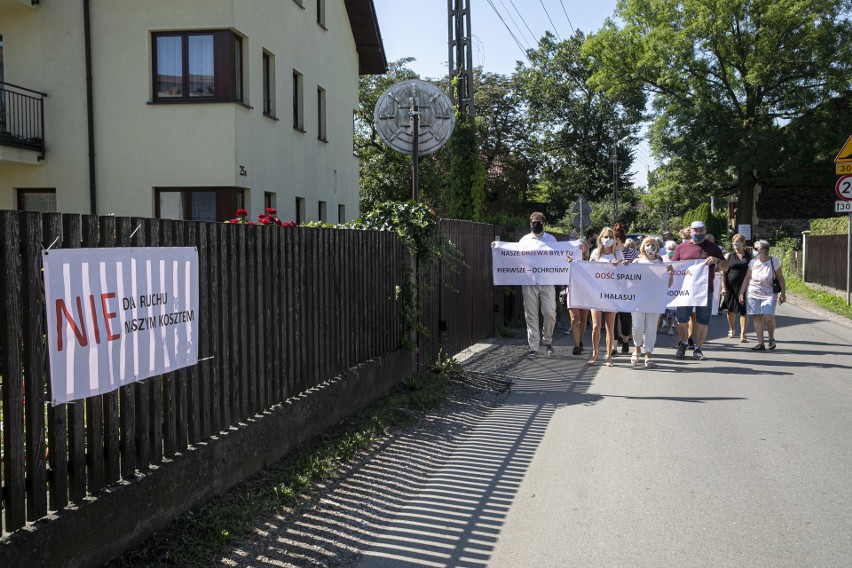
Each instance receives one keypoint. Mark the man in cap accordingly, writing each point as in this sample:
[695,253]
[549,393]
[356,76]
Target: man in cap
[539,298]
[697,247]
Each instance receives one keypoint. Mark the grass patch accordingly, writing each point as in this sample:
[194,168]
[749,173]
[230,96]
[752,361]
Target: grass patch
[196,537]
[826,300]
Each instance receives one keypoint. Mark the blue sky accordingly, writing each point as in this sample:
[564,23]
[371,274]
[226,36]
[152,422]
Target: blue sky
[419,29]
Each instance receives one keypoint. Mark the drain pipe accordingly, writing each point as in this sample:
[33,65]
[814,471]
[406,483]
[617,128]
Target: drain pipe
[87,34]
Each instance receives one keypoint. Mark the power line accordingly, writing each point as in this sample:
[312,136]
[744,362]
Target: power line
[535,39]
[551,19]
[517,27]
[567,18]
[493,7]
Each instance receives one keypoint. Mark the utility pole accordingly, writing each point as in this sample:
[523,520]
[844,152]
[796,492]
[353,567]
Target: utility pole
[615,177]
[460,61]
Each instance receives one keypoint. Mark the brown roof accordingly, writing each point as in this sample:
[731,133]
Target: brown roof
[368,38]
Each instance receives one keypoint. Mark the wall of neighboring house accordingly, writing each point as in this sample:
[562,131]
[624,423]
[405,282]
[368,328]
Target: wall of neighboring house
[142,145]
[43,51]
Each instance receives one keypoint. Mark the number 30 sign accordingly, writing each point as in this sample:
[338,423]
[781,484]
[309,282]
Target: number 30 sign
[843,187]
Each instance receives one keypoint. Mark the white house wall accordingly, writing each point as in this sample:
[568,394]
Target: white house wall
[140,145]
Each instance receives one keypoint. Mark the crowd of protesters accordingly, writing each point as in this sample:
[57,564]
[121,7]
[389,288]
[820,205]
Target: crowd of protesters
[752,285]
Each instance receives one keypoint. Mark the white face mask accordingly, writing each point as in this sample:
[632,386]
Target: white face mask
[607,242]
[651,250]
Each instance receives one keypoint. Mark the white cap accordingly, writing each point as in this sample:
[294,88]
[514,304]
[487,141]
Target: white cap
[697,225]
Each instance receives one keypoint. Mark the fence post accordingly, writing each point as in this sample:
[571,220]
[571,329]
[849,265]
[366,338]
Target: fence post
[805,235]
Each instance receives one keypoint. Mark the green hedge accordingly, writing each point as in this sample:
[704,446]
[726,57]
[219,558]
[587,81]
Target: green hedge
[829,226]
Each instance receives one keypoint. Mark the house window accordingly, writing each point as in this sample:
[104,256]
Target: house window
[341,213]
[37,199]
[298,103]
[269,200]
[197,66]
[323,212]
[198,203]
[268,84]
[321,12]
[300,210]
[321,134]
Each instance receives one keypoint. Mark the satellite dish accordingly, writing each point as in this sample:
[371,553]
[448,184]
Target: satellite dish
[419,99]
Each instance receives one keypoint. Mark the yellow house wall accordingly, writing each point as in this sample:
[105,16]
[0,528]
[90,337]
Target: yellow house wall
[140,146]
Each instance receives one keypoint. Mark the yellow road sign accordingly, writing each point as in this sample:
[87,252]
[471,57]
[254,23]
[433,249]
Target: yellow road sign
[845,154]
[843,168]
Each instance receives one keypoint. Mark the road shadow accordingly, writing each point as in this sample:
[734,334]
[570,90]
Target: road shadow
[440,495]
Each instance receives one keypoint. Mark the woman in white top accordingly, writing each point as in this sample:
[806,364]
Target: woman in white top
[757,292]
[645,324]
[605,252]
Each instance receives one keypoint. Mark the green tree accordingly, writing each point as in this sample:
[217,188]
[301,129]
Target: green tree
[725,76]
[576,125]
[506,144]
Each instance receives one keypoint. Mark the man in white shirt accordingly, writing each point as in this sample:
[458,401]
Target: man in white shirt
[539,298]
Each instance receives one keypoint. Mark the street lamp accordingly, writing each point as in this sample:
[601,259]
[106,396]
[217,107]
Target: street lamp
[615,178]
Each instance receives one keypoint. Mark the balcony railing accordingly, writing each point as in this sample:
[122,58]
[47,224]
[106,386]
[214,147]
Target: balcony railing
[21,117]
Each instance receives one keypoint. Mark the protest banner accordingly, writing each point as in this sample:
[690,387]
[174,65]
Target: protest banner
[631,287]
[690,283]
[119,315]
[532,263]
[637,287]
[717,292]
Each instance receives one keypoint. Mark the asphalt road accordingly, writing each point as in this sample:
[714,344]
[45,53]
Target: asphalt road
[744,459]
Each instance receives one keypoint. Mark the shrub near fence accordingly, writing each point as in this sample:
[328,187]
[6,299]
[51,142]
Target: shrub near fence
[285,310]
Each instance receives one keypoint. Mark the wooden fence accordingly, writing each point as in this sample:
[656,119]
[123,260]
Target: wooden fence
[281,311]
[457,306]
[825,260]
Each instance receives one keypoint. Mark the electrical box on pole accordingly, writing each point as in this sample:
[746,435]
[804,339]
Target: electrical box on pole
[460,60]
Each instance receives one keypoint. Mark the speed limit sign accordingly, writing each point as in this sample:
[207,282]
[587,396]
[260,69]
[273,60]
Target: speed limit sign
[843,188]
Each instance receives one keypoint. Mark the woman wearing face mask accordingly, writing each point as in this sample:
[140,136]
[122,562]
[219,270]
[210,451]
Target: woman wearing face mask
[645,324]
[732,285]
[757,293]
[669,314]
[606,252]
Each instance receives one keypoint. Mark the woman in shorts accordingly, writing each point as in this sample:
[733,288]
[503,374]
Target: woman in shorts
[758,295]
[605,252]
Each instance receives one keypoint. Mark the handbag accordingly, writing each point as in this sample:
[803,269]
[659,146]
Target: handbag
[776,286]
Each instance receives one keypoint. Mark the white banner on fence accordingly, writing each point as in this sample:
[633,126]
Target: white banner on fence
[532,263]
[690,283]
[637,287]
[118,315]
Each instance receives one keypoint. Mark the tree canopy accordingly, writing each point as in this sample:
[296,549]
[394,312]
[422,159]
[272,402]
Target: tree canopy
[724,77]
[577,125]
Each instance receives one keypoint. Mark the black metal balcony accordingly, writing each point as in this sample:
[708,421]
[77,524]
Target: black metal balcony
[22,118]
